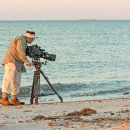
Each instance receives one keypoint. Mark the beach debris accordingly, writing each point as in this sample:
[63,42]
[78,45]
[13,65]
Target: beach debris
[103,121]
[128,116]
[88,111]
[73,116]
[82,125]
[111,113]
[4,122]
[49,123]
[29,121]
[41,117]
[125,93]
[123,126]
[18,107]
[19,121]
[27,111]
[84,112]
[81,116]
[53,123]
[66,126]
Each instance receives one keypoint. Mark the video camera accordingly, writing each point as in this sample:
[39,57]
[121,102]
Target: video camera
[35,52]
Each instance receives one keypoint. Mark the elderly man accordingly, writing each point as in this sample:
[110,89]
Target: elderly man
[14,65]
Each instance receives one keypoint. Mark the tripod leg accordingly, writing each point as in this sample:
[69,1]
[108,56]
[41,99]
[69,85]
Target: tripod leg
[35,87]
[32,95]
[51,85]
[36,91]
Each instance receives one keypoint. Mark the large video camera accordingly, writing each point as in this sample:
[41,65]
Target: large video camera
[36,52]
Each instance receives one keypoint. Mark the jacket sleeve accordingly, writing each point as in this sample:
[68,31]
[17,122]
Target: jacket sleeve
[21,50]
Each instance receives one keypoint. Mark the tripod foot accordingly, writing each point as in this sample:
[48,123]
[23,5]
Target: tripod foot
[36,101]
[31,101]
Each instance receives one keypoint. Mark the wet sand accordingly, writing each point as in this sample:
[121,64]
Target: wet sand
[112,114]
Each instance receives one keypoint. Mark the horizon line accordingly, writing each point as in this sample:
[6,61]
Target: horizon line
[62,20]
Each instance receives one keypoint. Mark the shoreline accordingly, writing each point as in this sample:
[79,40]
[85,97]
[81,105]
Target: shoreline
[102,114]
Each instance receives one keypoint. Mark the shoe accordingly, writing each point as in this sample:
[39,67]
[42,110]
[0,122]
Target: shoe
[22,103]
[16,102]
[4,101]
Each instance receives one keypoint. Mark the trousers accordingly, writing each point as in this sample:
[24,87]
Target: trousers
[11,80]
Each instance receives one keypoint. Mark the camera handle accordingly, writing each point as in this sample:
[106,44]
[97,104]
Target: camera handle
[35,93]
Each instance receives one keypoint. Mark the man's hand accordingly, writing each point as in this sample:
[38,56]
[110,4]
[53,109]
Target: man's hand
[29,64]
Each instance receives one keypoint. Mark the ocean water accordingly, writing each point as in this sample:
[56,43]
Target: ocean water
[92,58]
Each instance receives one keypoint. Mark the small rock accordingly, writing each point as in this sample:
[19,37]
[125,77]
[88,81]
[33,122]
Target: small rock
[112,113]
[27,111]
[19,121]
[49,123]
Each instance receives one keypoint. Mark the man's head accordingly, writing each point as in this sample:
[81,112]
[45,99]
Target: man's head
[30,36]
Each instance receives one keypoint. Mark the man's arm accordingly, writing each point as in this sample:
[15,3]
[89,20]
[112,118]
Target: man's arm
[21,49]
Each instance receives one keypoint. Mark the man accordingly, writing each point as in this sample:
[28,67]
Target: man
[14,65]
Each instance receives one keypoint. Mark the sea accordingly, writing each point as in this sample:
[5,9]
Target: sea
[92,58]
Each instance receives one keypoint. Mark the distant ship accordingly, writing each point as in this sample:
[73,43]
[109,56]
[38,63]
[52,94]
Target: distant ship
[86,19]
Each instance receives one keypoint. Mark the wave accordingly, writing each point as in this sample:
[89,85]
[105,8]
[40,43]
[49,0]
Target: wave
[76,90]
[119,91]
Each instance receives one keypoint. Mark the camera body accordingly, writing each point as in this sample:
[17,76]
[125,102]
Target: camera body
[36,52]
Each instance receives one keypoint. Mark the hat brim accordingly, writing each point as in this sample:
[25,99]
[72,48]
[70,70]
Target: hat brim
[29,36]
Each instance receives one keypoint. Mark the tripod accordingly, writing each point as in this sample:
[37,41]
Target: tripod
[35,93]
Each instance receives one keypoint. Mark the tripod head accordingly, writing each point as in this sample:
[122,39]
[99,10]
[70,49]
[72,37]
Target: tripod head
[36,61]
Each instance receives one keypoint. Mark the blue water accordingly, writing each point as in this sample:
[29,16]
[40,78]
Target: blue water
[92,58]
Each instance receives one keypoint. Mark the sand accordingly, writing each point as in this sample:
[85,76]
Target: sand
[112,114]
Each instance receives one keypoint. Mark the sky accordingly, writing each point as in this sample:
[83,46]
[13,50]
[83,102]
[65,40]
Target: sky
[64,9]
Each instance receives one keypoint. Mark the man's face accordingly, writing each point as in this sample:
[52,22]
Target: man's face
[29,40]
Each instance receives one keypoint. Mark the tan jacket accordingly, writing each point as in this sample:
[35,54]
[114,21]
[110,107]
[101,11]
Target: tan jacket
[16,53]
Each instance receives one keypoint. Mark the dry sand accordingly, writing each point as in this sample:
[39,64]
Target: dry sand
[112,114]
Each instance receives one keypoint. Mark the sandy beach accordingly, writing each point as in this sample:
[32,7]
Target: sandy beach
[84,115]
